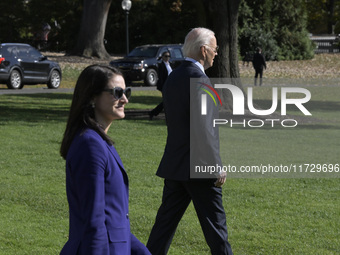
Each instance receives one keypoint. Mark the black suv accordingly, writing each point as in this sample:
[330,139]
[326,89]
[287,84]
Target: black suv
[142,62]
[22,64]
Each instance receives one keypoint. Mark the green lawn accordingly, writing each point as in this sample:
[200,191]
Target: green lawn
[264,215]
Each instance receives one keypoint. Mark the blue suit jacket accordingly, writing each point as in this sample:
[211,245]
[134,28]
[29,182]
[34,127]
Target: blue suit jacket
[98,197]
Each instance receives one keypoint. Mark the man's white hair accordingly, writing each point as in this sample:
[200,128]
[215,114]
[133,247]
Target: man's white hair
[196,38]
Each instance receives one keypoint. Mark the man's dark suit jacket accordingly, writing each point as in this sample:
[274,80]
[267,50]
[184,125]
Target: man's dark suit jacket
[175,164]
[259,61]
[162,75]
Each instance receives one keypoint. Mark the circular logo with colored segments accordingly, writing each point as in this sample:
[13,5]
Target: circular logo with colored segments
[209,93]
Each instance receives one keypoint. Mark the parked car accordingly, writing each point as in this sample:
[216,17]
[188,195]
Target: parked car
[142,62]
[22,64]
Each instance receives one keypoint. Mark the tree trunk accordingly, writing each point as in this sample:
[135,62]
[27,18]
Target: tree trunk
[91,35]
[330,18]
[224,22]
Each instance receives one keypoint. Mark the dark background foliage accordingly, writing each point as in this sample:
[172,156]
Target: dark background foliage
[280,28]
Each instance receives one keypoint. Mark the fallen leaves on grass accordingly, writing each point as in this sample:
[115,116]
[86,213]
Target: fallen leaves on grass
[321,66]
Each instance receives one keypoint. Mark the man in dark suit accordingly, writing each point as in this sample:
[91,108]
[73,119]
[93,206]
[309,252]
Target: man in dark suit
[164,69]
[258,63]
[200,48]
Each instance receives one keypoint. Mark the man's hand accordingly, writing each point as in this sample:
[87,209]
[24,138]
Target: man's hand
[221,179]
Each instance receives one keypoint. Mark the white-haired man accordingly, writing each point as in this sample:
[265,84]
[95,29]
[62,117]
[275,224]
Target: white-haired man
[200,48]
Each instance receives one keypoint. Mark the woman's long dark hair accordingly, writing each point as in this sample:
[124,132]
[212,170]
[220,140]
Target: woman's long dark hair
[91,83]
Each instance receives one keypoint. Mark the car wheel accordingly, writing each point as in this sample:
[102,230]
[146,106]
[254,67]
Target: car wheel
[151,78]
[15,81]
[54,81]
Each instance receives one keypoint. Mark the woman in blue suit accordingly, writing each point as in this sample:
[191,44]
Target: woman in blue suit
[96,182]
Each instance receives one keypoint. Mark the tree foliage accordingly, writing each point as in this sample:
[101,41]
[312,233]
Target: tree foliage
[150,21]
[323,16]
[278,27]
[23,20]
[12,20]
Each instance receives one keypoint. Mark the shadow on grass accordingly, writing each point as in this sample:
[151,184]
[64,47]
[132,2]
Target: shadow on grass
[149,101]
[34,107]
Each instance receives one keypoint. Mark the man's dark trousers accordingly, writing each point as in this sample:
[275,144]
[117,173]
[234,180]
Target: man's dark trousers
[207,200]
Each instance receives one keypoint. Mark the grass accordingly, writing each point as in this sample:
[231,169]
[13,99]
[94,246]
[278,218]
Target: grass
[321,66]
[315,139]
[264,215]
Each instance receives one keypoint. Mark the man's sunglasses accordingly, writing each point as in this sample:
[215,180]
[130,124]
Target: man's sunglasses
[118,92]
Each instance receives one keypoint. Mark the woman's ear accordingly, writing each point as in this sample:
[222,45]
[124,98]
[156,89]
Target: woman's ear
[93,102]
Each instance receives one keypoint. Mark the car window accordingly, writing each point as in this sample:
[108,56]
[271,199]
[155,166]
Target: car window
[176,53]
[28,52]
[6,51]
[148,52]
[10,51]
[162,51]
[22,52]
[33,53]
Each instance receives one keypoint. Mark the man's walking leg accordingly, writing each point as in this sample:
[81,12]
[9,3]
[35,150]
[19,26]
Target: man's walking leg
[174,203]
[208,204]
